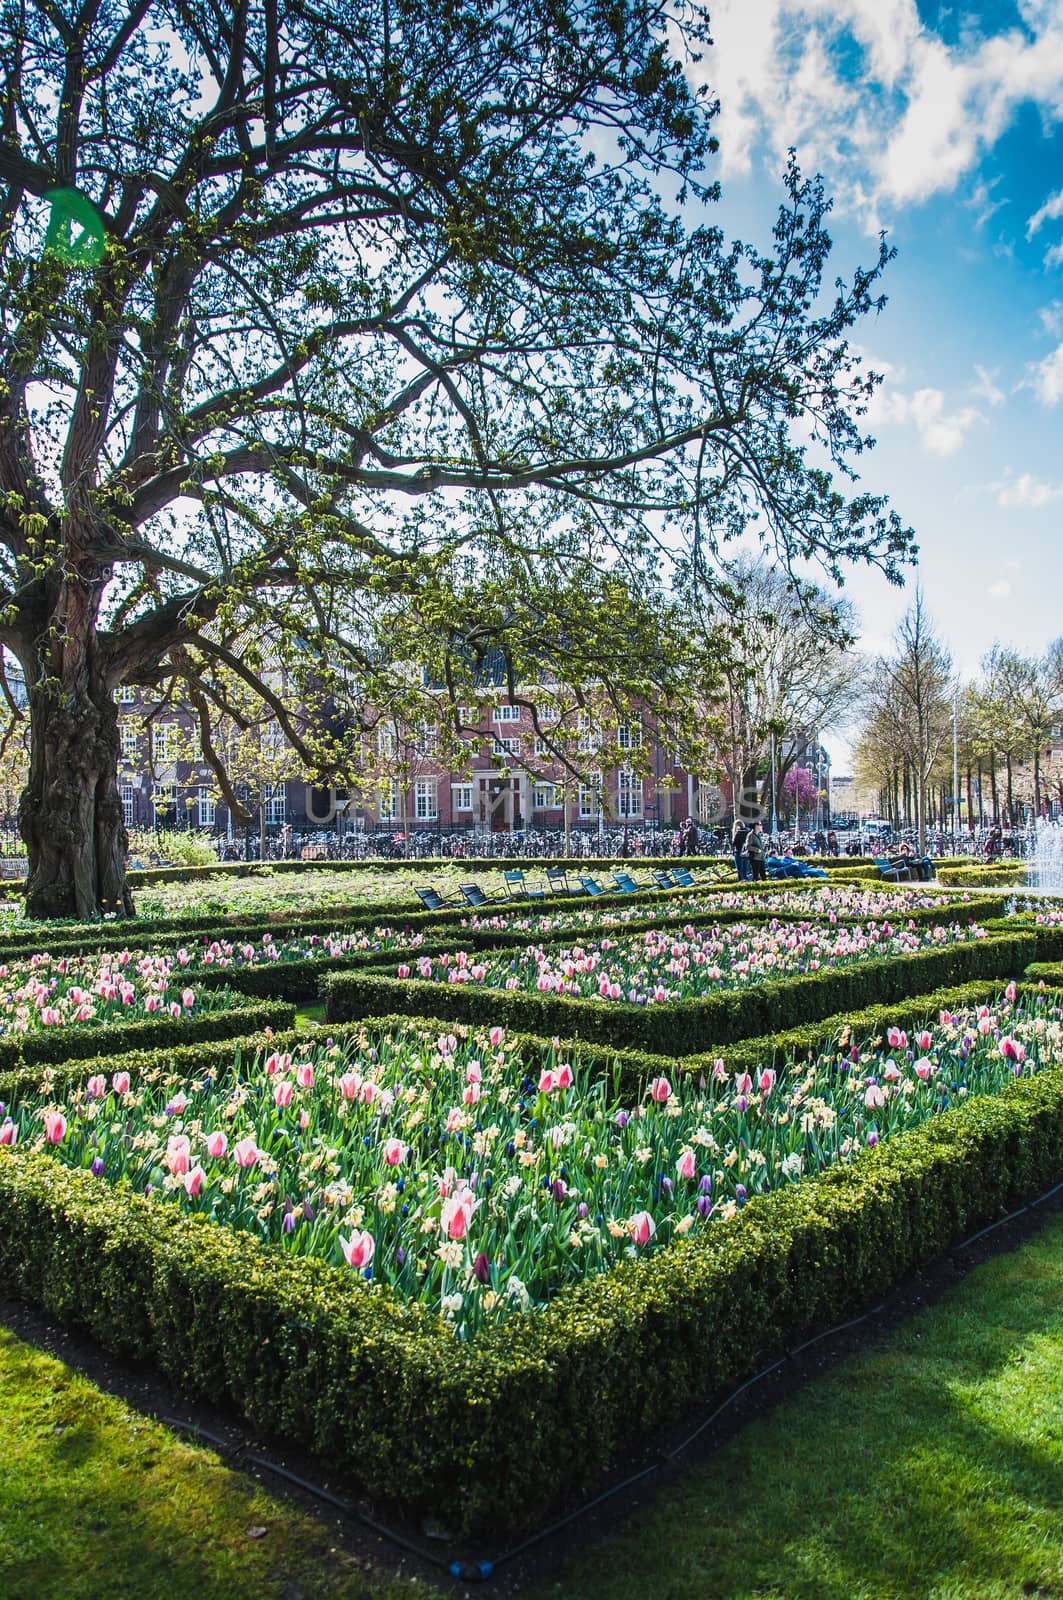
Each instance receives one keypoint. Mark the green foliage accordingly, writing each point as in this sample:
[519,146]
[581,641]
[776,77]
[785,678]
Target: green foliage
[983,877]
[181,848]
[685,1027]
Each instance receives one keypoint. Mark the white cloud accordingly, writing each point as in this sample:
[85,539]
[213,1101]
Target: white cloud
[1052,317]
[1001,590]
[941,432]
[1047,377]
[986,389]
[1027,493]
[1054,255]
[889,111]
[1052,208]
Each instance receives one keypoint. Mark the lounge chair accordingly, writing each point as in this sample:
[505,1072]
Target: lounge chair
[591,887]
[666,880]
[432,900]
[627,885]
[893,871]
[516,880]
[557,878]
[473,895]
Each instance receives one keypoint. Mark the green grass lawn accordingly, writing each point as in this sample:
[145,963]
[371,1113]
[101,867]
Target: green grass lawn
[930,1467]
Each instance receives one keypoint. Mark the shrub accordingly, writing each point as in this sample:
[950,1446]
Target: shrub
[983,877]
[151,1032]
[487,1435]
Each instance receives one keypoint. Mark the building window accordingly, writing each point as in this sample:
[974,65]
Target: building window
[588,796]
[130,741]
[206,807]
[505,747]
[629,794]
[629,735]
[462,796]
[388,805]
[542,748]
[547,714]
[126,792]
[275,804]
[507,713]
[126,694]
[164,741]
[468,716]
[425,800]
[164,800]
[386,742]
[425,740]
[544,797]
[589,739]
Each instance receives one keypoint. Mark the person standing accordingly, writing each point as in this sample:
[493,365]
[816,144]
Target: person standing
[755,849]
[739,839]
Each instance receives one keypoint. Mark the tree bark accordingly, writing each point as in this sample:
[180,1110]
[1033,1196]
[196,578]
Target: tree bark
[70,813]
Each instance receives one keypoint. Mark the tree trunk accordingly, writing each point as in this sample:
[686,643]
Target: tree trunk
[1010,790]
[993,789]
[70,813]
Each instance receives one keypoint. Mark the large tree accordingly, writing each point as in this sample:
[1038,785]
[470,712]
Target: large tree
[313,312]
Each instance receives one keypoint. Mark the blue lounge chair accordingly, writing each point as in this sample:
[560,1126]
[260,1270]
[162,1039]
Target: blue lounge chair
[557,878]
[591,887]
[627,885]
[432,900]
[515,881]
[473,895]
[666,880]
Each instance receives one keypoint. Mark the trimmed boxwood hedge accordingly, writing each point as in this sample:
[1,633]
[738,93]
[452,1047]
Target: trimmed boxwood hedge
[684,1027]
[488,1435]
[109,1039]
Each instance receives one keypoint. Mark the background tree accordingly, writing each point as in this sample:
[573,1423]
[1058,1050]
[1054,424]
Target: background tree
[314,314]
[911,702]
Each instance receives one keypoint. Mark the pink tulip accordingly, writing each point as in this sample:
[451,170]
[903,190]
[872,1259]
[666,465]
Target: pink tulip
[96,1087]
[547,1081]
[217,1144]
[9,1132]
[642,1227]
[660,1090]
[188,999]
[897,1039]
[54,1127]
[177,1154]
[1011,992]
[473,1072]
[743,1083]
[470,1094]
[457,1213]
[151,1003]
[194,1181]
[455,1119]
[245,1152]
[120,1083]
[496,1036]
[282,1093]
[687,1166]
[1012,1050]
[923,1068]
[358,1249]
[719,1070]
[304,1075]
[564,1076]
[50,1017]
[394,1150]
[350,1085]
[923,1041]
[766,1081]
[874,1098]
[404,971]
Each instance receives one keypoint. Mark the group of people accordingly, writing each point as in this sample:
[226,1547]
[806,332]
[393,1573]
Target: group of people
[750,849]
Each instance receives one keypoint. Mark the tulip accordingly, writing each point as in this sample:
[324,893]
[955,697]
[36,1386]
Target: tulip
[564,1076]
[177,1154]
[457,1214]
[481,1269]
[120,1083]
[641,1227]
[9,1132]
[1012,1050]
[245,1152]
[394,1150]
[743,1083]
[304,1075]
[547,1081]
[923,1041]
[687,1165]
[282,1093]
[766,1081]
[96,1167]
[350,1085]
[1011,993]
[96,1087]
[217,1144]
[660,1091]
[874,1099]
[194,1181]
[358,1249]
[54,1127]
[496,1036]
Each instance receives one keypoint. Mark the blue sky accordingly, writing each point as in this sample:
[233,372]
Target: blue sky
[942,125]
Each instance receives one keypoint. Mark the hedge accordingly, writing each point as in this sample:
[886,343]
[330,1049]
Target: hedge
[108,1039]
[988,876]
[684,1027]
[487,1436]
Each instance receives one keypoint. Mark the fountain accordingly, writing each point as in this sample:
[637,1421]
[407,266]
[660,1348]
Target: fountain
[1046,858]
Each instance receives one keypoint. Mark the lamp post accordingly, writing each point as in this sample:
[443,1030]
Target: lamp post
[955,771]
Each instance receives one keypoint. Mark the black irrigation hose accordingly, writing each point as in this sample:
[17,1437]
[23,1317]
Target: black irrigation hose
[482,1571]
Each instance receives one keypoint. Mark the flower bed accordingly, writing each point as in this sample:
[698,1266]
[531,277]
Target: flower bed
[686,1027]
[477,1179]
[389,1396]
[662,965]
[71,991]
